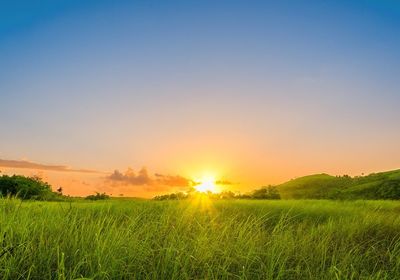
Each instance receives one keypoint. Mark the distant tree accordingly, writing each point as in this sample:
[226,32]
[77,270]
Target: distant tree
[97,196]
[269,192]
[243,196]
[172,196]
[60,190]
[227,195]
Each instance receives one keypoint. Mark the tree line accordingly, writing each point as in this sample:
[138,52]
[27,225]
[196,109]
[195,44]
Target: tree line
[34,188]
[266,192]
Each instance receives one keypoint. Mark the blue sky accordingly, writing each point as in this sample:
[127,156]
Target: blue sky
[261,91]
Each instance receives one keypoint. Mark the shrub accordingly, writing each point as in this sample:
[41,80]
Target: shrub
[172,196]
[26,188]
[269,192]
[97,196]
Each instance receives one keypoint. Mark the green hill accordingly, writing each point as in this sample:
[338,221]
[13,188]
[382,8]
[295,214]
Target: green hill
[384,185]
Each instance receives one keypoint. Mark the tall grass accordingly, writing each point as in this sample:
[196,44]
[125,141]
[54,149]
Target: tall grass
[200,240]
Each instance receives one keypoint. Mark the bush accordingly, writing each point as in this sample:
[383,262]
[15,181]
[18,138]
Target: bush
[172,196]
[26,188]
[269,192]
[97,196]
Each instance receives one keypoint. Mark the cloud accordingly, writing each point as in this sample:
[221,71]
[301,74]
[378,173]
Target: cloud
[39,166]
[131,178]
[176,181]
[142,178]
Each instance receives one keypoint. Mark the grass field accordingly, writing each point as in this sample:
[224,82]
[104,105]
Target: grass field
[200,239]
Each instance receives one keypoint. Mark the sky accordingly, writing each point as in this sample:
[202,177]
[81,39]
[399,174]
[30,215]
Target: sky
[146,97]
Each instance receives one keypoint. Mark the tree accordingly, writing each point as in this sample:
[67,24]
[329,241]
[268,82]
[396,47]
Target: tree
[172,196]
[269,192]
[26,187]
[97,196]
[60,190]
[227,195]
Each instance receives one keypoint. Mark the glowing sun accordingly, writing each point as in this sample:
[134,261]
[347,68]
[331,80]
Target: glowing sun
[206,185]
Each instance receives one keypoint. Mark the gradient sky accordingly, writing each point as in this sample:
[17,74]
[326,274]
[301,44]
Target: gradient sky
[253,92]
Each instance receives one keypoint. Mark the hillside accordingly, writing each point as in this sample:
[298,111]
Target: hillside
[384,185]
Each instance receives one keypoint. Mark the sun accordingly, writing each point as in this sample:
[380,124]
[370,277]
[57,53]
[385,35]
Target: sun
[207,184]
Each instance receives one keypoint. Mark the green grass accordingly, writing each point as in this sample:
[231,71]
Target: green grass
[199,240]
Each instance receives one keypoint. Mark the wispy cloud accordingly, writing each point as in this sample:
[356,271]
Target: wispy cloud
[38,166]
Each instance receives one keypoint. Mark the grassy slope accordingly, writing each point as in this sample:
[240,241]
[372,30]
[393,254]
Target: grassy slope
[374,186]
[200,240]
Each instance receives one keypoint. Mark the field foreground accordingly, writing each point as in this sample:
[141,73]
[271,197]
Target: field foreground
[200,239]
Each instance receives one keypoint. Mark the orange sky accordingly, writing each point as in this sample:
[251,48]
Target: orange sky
[238,175]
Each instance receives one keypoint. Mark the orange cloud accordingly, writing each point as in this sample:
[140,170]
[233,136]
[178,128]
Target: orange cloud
[142,178]
[131,178]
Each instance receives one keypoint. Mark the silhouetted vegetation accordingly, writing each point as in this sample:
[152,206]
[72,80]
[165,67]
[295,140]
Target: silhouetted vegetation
[172,196]
[98,196]
[33,188]
[269,192]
